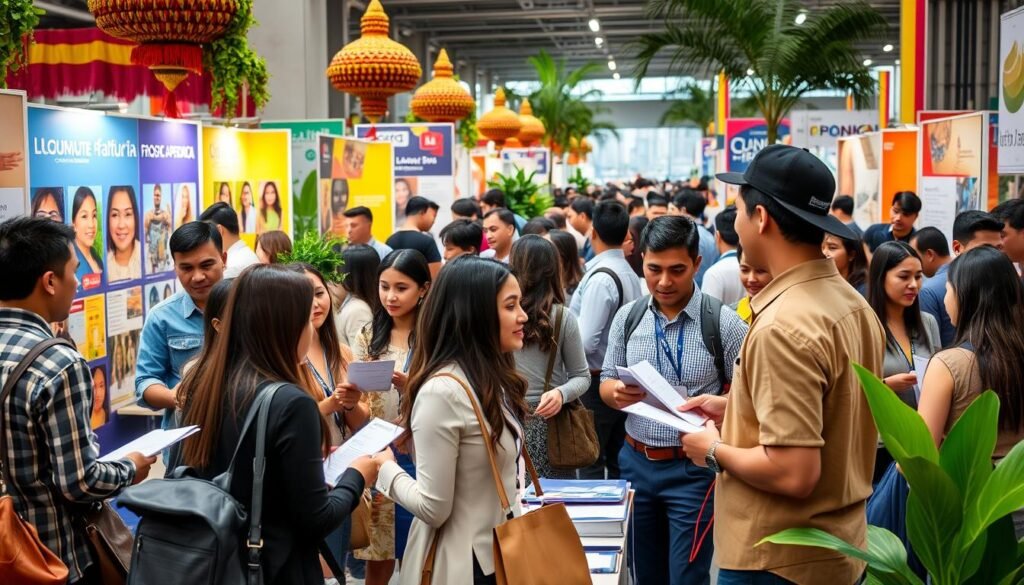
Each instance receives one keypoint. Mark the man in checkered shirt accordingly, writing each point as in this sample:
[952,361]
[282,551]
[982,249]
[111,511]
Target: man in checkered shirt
[52,452]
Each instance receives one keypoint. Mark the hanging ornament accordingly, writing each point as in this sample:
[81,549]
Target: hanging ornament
[499,124]
[533,129]
[442,99]
[170,35]
[374,67]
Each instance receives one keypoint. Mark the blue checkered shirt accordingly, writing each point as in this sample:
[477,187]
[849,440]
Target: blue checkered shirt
[699,375]
[51,448]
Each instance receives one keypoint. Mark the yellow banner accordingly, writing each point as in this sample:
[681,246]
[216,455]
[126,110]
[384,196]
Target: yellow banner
[355,173]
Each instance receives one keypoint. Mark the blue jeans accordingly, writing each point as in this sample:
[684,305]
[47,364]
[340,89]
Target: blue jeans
[731,577]
[668,500]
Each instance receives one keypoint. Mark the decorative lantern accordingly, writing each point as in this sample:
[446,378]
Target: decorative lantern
[442,99]
[513,143]
[533,129]
[170,34]
[499,124]
[374,67]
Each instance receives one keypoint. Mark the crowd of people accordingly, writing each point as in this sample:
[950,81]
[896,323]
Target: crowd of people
[753,312]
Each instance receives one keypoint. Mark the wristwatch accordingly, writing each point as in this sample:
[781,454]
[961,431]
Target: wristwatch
[709,458]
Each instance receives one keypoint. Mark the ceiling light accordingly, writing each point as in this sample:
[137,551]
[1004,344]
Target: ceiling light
[750,72]
[801,18]
[897,62]
[868,62]
[594,25]
[616,76]
[887,48]
[611,65]
[598,41]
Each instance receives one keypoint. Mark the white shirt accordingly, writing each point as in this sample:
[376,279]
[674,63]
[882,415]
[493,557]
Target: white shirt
[240,257]
[490,253]
[722,280]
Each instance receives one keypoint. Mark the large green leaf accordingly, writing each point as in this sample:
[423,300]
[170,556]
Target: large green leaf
[305,207]
[934,513]
[903,430]
[1001,495]
[1002,556]
[966,453]
[886,557]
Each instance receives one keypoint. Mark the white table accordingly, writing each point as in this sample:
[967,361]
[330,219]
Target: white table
[622,576]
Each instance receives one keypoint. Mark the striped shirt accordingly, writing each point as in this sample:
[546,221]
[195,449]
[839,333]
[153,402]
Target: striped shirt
[51,448]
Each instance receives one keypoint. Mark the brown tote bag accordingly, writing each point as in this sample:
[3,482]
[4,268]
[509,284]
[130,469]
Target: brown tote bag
[23,557]
[518,542]
[572,437]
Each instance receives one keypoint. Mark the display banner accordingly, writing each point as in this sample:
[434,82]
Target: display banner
[355,173]
[123,184]
[819,129]
[1011,93]
[13,160]
[250,170]
[529,160]
[304,186]
[706,160]
[953,168]
[745,137]
[424,164]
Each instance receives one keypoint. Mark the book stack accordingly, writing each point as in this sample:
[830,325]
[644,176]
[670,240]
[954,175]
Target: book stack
[598,508]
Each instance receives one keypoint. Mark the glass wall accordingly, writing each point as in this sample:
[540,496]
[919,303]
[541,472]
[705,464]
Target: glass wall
[656,153]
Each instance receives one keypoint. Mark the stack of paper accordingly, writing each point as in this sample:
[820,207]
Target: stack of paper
[371,439]
[661,401]
[152,443]
[597,508]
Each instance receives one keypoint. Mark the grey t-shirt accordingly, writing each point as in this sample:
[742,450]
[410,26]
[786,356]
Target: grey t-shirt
[570,374]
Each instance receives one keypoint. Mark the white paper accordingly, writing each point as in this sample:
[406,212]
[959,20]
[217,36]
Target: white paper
[371,439]
[920,365]
[371,376]
[661,395]
[152,443]
[658,415]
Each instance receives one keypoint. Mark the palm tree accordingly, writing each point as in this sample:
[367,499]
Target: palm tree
[565,115]
[759,45]
[698,107]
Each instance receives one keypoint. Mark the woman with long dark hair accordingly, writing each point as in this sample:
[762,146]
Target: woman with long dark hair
[403,281]
[269,218]
[850,260]
[246,209]
[85,221]
[270,246]
[470,328]
[568,261]
[534,261]
[358,292]
[124,253]
[264,339]
[894,283]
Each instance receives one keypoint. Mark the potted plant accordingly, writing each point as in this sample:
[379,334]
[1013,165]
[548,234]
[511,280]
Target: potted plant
[958,510]
[522,194]
[18,18]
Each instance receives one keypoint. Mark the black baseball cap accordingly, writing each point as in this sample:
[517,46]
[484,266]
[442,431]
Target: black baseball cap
[798,181]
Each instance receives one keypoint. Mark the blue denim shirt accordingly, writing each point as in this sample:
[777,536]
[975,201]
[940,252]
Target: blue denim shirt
[171,336]
[933,295]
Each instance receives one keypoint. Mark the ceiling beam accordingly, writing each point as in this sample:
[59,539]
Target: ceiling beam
[454,38]
[502,15]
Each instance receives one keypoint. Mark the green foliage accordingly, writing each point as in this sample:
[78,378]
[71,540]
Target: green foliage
[322,253]
[232,63]
[18,18]
[304,204]
[698,107]
[522,195]
[579,181]
[788,60]
[958,510]
[565,112]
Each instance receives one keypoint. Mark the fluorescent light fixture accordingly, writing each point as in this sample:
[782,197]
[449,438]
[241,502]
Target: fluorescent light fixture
[887,48]
[594,25]
[868,62]
[598,41]
[750,72]
[616,76]
[801,18]
[611,65]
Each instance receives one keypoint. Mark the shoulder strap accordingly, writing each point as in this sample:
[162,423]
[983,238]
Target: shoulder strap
[615,277]
[636,314]
[554,350]
[710,331]
[255,539]
[9,384]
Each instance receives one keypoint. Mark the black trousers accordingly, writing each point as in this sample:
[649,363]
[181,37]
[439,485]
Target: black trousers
[478,575]
[610,425]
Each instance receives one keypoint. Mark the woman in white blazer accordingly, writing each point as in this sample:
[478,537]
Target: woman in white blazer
[471,324]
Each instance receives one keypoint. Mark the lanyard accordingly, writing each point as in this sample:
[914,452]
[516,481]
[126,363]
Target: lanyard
[328,386]
[408,360]
[910,360]
[659,333]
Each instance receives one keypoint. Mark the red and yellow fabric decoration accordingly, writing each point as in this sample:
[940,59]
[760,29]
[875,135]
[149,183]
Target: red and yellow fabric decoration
[170,33]
[533,129]
[499,124]
[442,99]
[374,67]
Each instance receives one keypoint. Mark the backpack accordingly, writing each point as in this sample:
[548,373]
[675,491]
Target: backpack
[710,330]
[189,528]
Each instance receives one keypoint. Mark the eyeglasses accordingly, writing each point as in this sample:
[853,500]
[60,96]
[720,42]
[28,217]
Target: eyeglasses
[54,215]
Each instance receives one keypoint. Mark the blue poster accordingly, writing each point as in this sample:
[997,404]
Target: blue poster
[745,137]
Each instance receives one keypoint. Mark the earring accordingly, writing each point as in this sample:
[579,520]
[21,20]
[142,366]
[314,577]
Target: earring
[419,302]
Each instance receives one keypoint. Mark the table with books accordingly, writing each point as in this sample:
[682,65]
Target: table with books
[600,511]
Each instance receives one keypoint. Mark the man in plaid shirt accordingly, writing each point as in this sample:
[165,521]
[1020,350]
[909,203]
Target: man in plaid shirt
[52,452]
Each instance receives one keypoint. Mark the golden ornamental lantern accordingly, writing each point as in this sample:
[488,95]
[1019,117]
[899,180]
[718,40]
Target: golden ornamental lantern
[170,35]
[442,99]
[513,143]
[499,124]
[585,149]
[533,129]
[374,67]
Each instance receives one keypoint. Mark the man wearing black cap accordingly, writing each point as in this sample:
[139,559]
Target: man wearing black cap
[797,443]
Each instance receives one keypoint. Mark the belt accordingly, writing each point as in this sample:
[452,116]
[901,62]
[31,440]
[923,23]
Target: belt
[656,453]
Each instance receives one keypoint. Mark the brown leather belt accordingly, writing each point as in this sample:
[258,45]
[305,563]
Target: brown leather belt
[656,453]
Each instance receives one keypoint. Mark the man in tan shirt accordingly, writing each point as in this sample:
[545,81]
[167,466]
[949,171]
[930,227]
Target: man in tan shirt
[797,443]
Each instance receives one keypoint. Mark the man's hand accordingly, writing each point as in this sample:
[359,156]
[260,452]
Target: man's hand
[696,445]
[709,405]
[624,395]
[142,465]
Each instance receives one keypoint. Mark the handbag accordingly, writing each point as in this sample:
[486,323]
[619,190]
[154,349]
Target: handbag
[110,540]
[572,437]
[360,536]
[23,557]
[544,533]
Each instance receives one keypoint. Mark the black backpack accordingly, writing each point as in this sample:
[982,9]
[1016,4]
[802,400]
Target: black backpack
[189,528]
[710,330]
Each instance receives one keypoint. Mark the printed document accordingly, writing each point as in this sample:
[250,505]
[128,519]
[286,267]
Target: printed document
[371,439]
[371,376]
[152,443]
